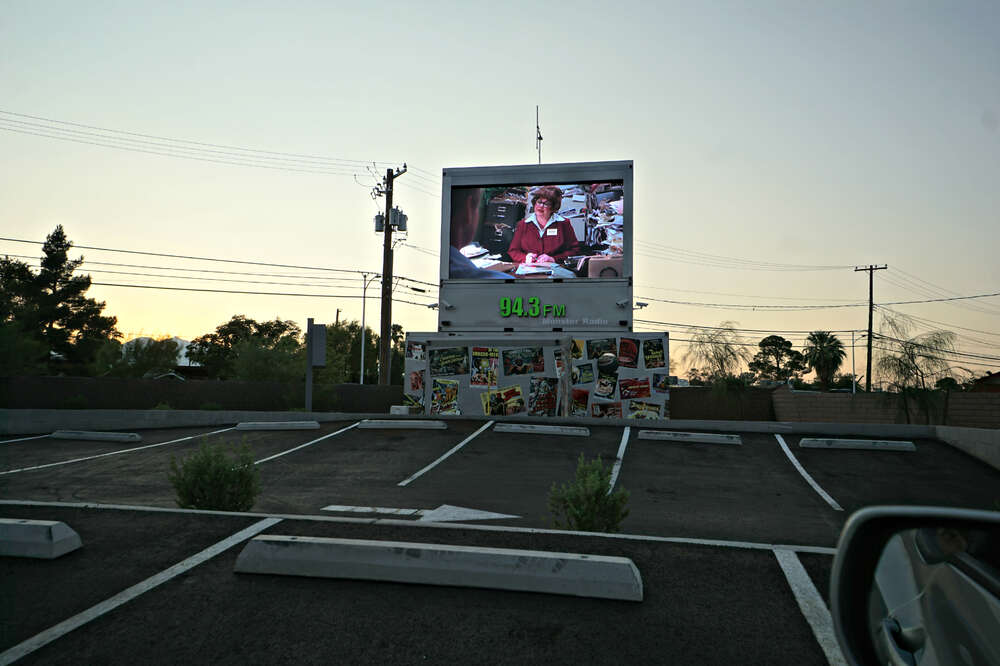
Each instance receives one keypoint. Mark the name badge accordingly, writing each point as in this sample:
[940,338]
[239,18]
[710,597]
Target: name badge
[551,232]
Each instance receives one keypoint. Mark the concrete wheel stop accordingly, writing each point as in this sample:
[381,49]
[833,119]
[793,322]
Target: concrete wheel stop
[97,436]
[401,424]
[278,425]
[690,437]
[869,444]
[571,574]
[42,539]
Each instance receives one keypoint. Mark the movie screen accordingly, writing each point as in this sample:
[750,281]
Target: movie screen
[538,231]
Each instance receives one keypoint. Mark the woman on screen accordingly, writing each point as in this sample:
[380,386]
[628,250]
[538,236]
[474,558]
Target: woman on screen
[544,236]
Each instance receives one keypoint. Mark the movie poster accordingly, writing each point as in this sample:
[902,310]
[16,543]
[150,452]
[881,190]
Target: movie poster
[628,353]
[580,399]
[606,385]
[661,382]
[502,402]
[641,409]
[652,351]
[606,410]
[633,387]
[542,396]
[415,350]
[583,373]
[576,349]
[485,366]
[558,355]
[444,397]
[450,361]
[411,400]
[523,361]
[417,380]
[600,346]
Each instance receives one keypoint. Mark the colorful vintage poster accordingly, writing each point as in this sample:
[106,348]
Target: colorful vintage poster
[652,352]
[558,355]
[606,410]
[417,380]
[542,396]
[444,397]
[661,382]
[600,346]
[641,409]
[450,361]
[413,400]
[502,402]
[583,373]
[606,385]
[523,361]
[633,387]
[485,366]
[628,353]
[576,349]
[415,350]
[580,399]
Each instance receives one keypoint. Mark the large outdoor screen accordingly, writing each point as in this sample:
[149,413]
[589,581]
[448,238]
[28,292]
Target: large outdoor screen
[538,231]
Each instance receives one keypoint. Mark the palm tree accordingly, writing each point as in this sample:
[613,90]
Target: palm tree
[824,352]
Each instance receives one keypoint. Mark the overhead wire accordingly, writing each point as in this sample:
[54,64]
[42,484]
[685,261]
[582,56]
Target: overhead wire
[253,293]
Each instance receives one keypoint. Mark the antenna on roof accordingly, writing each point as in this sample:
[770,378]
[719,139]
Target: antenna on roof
[538,136]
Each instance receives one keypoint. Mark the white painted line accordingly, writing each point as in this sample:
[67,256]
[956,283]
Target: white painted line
[822,493]
[618,460]
[532,429]
[819,550]
[574,574]
[302,446]
[340,508]
[23,439]
[447,453]
[811,604]
[52,633]
[113,453]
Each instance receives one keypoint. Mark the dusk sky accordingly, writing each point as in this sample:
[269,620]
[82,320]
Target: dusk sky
[771,135]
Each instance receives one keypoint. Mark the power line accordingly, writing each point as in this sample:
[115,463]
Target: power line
[719,293]
[332,160]
[721,261]
[744,306]
[924,319]
[745,330]
[949,352]
[252,293]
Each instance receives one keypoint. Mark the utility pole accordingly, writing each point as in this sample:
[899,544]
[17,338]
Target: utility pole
[871,306]
[385,343]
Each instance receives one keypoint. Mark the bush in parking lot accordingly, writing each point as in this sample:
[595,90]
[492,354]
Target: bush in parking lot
[585,504]
[209,479]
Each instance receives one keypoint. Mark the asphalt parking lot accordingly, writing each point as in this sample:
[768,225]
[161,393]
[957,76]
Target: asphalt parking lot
[712,530]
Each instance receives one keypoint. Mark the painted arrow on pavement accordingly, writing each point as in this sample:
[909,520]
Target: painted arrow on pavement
[443,514]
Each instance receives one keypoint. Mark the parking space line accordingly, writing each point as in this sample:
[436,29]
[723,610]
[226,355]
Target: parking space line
[751,545]
[811,604]
[618,461]
[23,439]
[822,493]
[302,446]
[52,633]
[114,453]
[448,453]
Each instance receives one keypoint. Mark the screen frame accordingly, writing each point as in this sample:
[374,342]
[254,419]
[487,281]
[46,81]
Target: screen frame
[538,174]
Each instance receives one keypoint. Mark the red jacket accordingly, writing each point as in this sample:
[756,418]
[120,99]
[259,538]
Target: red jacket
[558,241]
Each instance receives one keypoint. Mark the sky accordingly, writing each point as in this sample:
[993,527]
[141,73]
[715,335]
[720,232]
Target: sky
[769,135]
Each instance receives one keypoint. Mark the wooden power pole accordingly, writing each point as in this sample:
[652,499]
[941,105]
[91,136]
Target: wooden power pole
[871,306]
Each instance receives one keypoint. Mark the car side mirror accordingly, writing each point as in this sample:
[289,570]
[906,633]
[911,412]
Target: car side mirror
[918,585]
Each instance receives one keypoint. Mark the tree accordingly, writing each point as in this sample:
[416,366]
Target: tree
[50,307]
[777,360]
[143,357]
[912,363]
[720,352]
[263,345]
[824,353]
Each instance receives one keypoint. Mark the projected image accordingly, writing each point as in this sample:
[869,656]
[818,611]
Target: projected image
[538,231]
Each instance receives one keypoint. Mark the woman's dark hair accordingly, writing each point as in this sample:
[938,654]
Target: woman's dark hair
[550,192]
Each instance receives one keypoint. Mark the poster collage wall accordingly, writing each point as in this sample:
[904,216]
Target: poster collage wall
[455,376]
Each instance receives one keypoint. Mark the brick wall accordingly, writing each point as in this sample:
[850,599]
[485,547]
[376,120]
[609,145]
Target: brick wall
[970,410]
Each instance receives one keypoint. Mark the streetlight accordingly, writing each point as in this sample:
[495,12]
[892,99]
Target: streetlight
[364,290]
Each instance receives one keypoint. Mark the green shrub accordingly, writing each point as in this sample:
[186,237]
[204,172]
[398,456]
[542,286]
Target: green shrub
[585,504]
[209,479]
[212,406]
[163,405]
